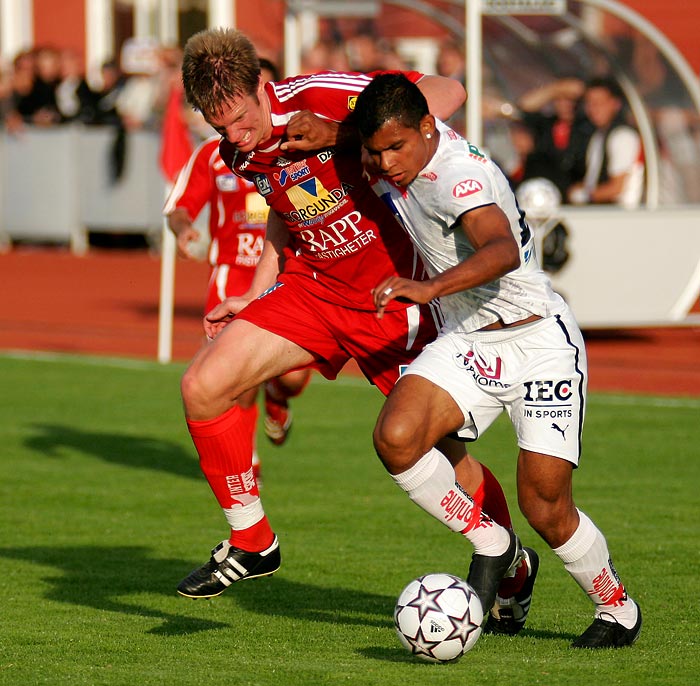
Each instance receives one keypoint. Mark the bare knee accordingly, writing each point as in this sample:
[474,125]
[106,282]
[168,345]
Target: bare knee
[396,442]
[201,398]
[416,415]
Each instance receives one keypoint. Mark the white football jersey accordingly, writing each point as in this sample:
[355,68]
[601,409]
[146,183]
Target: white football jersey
[457,179]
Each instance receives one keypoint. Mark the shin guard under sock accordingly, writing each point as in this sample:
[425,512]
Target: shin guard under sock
[224,445]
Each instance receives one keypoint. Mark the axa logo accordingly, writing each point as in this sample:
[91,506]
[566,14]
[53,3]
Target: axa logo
[466,188]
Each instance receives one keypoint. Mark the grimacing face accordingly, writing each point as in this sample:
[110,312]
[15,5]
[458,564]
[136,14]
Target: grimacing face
[244,120]
[398,152]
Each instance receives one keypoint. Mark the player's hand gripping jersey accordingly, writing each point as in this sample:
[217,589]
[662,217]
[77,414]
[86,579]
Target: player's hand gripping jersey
[345,240]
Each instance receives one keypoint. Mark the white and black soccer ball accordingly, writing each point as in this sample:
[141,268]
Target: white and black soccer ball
[438,617]
[539,197]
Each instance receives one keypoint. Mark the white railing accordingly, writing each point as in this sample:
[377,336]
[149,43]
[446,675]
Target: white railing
[56,185]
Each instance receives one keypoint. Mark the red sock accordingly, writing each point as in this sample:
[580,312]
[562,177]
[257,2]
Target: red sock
[492,499]
[225,449]
[249,417]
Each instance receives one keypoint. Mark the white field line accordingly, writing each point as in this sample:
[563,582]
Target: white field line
[343,380]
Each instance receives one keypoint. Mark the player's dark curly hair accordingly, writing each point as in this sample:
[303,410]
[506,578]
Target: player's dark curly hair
[218,65]
[389,96]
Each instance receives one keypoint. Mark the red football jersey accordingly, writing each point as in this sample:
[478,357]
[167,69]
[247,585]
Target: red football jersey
[237,212]
[344,238]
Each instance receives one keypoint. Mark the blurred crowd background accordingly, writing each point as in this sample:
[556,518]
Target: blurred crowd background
[538,110]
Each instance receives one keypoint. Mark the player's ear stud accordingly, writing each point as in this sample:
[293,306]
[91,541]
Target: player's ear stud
[428,136]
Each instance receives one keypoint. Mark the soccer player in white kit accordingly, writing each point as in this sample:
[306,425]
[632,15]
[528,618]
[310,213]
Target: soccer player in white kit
[508,340]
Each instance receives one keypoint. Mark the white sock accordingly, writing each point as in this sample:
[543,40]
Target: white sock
[585,556]
[431,483]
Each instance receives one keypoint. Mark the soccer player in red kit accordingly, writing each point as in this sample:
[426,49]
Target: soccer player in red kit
[237,216]
[318,310]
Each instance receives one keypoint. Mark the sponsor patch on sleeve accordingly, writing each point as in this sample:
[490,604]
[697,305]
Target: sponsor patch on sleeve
[466,188]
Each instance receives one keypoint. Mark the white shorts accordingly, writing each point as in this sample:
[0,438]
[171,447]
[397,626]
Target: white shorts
[536,372]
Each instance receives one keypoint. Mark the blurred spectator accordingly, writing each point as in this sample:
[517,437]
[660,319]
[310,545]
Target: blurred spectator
[675,121]
[451,61]
[452,64]
[325,55]
[614,156]
[391,59]
[5,86]
[105,99]
[367,52]
[167,70]
[75,99]
[35,75]
[560,132]
[364,53]
[104,112]
[5,95]
[530,162]
[148,69]
[21,82]
[47,78]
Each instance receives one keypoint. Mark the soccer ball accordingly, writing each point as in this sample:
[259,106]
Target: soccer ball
[438,617]
[539,197]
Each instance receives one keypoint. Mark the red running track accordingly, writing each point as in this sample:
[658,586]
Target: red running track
[106,303]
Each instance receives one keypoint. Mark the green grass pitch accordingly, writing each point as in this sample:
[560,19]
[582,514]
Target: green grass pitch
[103,510]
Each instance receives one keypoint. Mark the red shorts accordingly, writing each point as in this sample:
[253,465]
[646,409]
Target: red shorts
[334,334]
[225,281]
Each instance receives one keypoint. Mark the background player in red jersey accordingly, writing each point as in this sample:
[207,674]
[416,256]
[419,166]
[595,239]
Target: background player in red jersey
[316,312]
[237,216]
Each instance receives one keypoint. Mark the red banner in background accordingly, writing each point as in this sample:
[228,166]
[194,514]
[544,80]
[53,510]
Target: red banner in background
[176,142]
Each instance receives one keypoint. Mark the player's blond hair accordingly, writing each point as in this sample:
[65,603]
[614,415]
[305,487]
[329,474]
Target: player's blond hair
[218,65]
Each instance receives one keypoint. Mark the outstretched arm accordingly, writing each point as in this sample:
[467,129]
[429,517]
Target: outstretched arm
[307,131]
[534,100]
[444,95]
